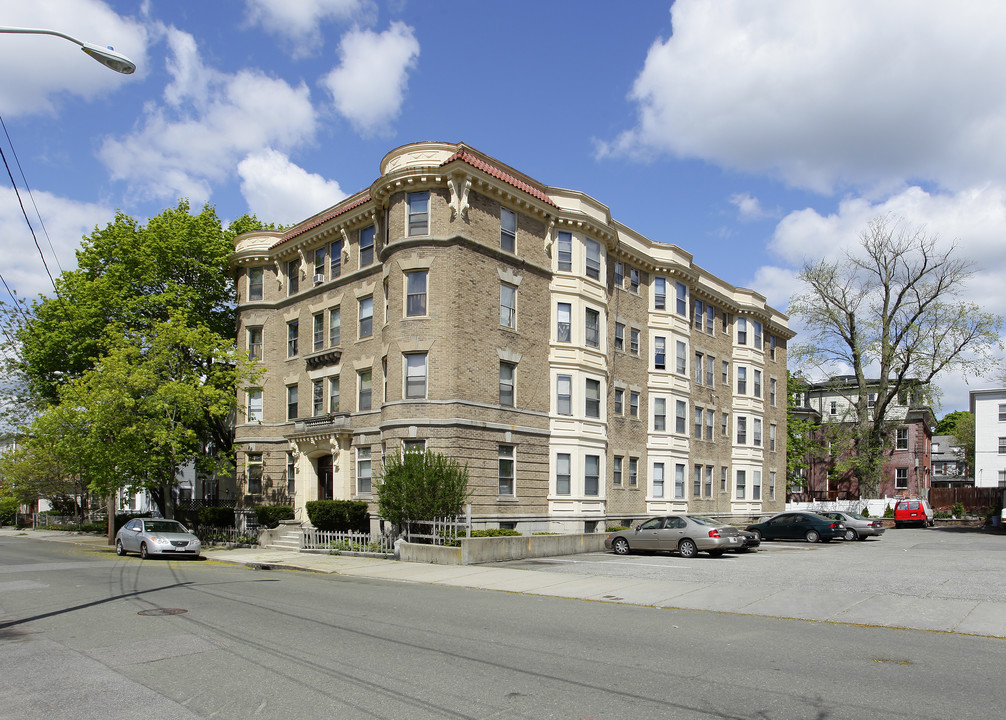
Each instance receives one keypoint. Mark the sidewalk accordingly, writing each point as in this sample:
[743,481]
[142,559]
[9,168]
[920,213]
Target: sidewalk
[967,617]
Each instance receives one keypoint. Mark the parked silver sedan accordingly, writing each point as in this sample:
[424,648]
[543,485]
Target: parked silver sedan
[147,537]
[687,534]
[857,527]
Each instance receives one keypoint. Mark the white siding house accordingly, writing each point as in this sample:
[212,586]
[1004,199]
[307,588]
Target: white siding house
[989,409]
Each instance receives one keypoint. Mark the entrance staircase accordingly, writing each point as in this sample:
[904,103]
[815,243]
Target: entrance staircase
[288,539]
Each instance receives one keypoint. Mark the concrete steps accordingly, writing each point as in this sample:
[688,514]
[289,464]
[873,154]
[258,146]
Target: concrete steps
[287,540]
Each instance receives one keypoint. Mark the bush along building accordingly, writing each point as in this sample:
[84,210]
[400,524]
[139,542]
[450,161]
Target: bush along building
[586,375]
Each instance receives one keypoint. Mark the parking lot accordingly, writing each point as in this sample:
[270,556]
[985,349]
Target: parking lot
[953,564]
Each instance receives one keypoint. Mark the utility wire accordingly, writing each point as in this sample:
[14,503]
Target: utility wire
[31,195]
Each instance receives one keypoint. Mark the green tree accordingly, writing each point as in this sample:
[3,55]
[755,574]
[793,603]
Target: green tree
[803,442]
[420,486]
[137,349]
[892,308]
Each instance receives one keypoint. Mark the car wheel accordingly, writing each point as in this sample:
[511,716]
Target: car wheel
[812,536]
[143,551]
[119,550]
[620,546]
[850,534]
[687,548]
[757,534]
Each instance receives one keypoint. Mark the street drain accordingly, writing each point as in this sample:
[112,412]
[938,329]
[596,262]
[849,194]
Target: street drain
[162,611]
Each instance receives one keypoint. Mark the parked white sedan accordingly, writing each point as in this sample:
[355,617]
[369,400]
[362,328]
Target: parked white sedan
[156,537]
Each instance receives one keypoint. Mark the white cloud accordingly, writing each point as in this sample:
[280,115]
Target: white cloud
[39,69]
[368,87]
[279,191]
[300,21]
[66,222]
[749,208]
[829,94]
[210,122]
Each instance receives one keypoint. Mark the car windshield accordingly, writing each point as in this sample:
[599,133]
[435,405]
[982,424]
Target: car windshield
[854,516]
[703,520]
[169,526]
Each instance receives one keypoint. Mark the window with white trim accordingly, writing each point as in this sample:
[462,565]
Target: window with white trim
[419,213]
[741,488]
[365,389]
[364,471]
[334,326]
[508,374]
[633,471]
[742,331]
[333,394]
[756,484]
[318,331]
[592,396]
[681,358]
[619,336]
[335,259]
[256,283]
[292,401]
[681,299]
[616,470]
[659,293]
[508,230]
[564,251]
[562,474]
[508,306]
[591,475]
[415,293]
[292,338]
[658,480]
[592,327]
[679,481]
[592,258]
[317,398]
[563,315]
[293,277]
[254,336]
[901,478]
[680,416]
[506,475]
[564,394]
[253,413]
[659,414]
[659,352]
[619,407]
[366,317]
[415,375]
[253,467]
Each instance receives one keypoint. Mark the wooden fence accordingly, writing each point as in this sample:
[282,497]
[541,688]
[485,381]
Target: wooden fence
[972,498]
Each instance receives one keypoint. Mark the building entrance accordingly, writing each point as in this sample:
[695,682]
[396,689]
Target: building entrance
[325,477]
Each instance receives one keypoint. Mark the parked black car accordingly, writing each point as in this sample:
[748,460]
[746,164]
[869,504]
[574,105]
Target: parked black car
[799,526]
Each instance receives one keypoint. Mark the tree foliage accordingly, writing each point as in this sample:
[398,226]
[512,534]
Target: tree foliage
[893,310]
[131,368]
[960,425]
[421,486]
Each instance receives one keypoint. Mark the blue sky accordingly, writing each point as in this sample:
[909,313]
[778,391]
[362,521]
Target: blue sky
[755,134]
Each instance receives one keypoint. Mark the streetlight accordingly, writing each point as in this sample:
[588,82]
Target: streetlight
[105,55]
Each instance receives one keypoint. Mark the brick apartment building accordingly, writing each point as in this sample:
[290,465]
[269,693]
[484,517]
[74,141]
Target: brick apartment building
[586,374]
[907,468]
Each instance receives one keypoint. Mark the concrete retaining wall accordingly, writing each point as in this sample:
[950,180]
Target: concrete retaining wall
[474,551]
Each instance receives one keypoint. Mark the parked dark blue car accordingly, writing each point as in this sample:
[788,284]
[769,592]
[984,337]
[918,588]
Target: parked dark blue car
[799,526]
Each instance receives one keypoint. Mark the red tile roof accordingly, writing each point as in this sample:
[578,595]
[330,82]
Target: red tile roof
[301,229]
[467,157]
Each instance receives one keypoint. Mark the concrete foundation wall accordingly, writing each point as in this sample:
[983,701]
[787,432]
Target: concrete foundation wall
[474,551]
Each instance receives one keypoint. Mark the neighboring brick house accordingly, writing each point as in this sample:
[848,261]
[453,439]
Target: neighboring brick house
[586,375]
[907,470]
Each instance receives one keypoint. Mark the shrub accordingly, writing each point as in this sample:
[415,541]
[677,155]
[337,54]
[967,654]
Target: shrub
[341,515]
[270,515]
[8,510]
[958,509]
[865,512]
[495,532]
[942,515]
[615,528]
[888,512]
[420,486]
[216,516]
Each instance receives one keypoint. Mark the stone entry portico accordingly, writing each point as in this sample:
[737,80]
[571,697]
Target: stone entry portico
[321,448]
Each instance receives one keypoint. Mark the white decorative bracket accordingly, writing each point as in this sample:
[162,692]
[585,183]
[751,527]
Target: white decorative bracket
[550,237]
[459,195]
[345,246]
[279,275]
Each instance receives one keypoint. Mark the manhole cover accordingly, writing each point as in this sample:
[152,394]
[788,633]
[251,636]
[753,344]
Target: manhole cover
[163,611]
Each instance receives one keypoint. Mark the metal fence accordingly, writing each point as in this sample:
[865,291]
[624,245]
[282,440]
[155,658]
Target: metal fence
[347,541]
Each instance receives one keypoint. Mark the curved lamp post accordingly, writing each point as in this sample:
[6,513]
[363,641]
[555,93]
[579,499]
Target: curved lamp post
[106,56]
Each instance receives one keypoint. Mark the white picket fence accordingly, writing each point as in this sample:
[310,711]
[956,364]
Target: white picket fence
[347,541]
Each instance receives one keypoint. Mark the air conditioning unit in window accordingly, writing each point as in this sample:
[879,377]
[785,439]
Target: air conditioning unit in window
[319,278]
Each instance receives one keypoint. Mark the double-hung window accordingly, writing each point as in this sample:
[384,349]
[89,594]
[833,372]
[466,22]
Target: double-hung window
[415,293]
[681,299]
[366,316]
[334,326]
[756,432]
[365,384]
[633,404]
[634,341]
[563,314]
[681,358]
[508,306]
[619,401]
[659,414]
[292,401]
[619,274]
[508,230]
[565,252]
[616,471]
[335,259]
[419,213]
[319,264]
[506,469]
[255,283]
[333,394]
[680,416]
[742,380]
[363,471]
[592,406]
[293,277]
[633,471]
[659,293]
[659,353]
[742,331]
[592,328]
[619,336]
[901,439]
[292,338]
[591,475]
[742,430]
[253,466]
[592,257]
[508,372]
[317,398]
[255,343]
[741,489]
[697,426]
[318,331]
[562,474]
[254,410]
[757,383]
[679,481]
[564,394]
[757,334]
[634,280]
[415,375]
[658,480]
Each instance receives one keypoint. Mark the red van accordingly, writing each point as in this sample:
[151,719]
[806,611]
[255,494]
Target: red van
[913,511]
